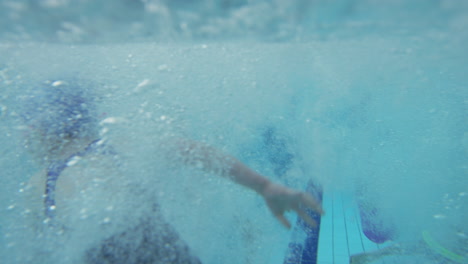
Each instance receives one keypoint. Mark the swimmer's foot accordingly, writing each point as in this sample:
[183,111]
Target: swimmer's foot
[368,257]
[361,258]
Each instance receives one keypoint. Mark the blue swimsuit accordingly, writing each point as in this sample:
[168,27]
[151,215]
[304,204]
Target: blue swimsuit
[53,173]
[152,240]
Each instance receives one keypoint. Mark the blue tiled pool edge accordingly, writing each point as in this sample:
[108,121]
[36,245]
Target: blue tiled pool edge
[303,247]
[338,234]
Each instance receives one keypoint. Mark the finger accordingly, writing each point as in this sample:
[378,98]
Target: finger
[306,218]
[283,221]
[311,203]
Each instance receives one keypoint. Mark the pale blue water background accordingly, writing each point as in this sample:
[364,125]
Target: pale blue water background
[369,93]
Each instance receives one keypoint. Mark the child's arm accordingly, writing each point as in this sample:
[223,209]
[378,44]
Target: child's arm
[278,197]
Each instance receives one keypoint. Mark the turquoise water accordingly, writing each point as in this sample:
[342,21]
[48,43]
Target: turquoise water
[367,95]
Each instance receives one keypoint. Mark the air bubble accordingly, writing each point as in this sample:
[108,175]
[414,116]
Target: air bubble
[73,161]
[163,67]
[141,85]
[104,131]
[112,120]
[439,216]
[57,83]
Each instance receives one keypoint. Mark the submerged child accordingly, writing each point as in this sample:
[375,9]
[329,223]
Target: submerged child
[427,246]
[81,183]
[446,244]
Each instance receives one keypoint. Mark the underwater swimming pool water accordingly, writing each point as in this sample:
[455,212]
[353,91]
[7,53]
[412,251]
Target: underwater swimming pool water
[360,96]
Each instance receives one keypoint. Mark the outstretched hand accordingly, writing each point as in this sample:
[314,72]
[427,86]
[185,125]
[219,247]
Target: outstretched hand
[280,199]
